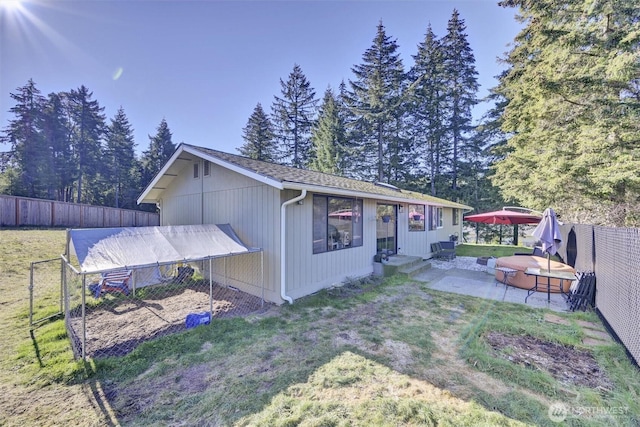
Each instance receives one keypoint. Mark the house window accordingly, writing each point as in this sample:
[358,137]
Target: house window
[207,168]
[196,171]
[416,218]
[456,216]
[435,217]
[337,223]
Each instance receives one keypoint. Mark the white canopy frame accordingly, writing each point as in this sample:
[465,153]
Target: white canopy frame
[107,250]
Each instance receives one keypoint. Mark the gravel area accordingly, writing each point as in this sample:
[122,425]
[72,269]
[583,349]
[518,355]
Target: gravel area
[461,262]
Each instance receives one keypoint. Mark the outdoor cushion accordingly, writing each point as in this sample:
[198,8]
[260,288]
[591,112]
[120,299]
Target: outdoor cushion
[524,281]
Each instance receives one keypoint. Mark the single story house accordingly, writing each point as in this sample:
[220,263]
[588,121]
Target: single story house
[315,229]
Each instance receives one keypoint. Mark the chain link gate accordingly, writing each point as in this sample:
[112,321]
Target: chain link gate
[45,291]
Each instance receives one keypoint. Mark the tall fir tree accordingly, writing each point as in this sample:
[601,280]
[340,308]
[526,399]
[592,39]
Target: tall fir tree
[375,99]
[29,165]
[293,115]
[120,162]
[461,81]
[56,134]
[350,148]
[259,137]
[161,148]
[87,125]
[426,102]
[572,113]
[329,137]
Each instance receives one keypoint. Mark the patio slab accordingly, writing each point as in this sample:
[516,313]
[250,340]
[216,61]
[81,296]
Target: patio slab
[482,285]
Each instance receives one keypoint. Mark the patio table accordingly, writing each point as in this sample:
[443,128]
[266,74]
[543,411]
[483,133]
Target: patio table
[506,273]
[560,275]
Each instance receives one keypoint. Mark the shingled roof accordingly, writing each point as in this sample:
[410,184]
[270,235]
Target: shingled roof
[294,178]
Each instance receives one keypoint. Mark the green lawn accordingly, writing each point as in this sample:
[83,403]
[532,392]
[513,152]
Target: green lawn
[369,353]
[497,251]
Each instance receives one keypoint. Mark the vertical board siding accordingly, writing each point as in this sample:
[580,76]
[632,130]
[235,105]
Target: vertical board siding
[308,272]
[253,210]
[250,207]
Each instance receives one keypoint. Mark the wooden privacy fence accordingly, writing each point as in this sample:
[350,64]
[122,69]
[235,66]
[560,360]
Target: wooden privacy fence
[614,255]
[24,211]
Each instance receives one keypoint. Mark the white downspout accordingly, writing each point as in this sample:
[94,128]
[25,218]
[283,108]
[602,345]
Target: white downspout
[283,245]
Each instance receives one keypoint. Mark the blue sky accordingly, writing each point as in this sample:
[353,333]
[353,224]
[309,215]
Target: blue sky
[204,65]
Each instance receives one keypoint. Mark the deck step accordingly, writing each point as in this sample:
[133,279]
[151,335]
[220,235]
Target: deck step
[415,269]
[396,262]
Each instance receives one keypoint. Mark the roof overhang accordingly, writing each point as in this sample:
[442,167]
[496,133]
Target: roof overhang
[359,194]
[175,164]
[185,153]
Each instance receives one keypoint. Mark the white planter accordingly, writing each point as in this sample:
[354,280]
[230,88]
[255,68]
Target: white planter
[378,269]
[491,266]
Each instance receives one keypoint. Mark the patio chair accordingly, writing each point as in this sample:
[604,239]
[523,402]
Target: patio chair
[438,251]
[582,294]
[114,281]
[535,252]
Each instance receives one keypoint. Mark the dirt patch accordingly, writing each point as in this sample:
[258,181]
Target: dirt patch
[117,326]
[399,353]
[566,364]
[450,366]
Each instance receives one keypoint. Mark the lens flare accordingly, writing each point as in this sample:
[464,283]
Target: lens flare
[118,73]
[10,5]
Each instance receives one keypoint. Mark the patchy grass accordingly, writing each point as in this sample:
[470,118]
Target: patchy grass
[369,353]
[40,382]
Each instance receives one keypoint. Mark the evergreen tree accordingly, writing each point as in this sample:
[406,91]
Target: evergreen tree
[426,100]
[461,82]
[120,161]
[375,98]
[293,116]
[24,132]
[259,137]
[329,137]
[56,134]
[87,124]
[161,148]
[350,149]
[573,110]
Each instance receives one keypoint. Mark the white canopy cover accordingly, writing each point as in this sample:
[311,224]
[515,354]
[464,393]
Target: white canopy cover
[103,249]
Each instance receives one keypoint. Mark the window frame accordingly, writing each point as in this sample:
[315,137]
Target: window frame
[435,218]
[206,168]
[416,225]
[196,170]
[456,216]
[320,237]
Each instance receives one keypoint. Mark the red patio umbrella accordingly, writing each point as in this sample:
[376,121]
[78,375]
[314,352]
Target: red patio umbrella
[505,217]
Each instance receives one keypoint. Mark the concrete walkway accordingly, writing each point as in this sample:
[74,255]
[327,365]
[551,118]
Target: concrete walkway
[483,285]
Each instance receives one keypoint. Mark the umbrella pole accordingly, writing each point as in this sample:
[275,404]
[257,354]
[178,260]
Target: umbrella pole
[515,234]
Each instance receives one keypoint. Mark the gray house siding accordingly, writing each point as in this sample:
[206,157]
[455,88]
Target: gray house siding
[252,209]
[308,272]
[247,195]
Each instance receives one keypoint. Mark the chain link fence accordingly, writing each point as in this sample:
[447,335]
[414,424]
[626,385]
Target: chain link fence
[614,255]
[111,313]
[45,291]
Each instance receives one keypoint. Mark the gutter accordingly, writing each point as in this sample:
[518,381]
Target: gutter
[283,245]
[289,185]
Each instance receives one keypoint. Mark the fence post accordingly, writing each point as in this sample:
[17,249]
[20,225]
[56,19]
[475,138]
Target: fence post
[31,295]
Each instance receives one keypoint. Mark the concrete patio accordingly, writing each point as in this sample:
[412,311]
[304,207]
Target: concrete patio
[483,285]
